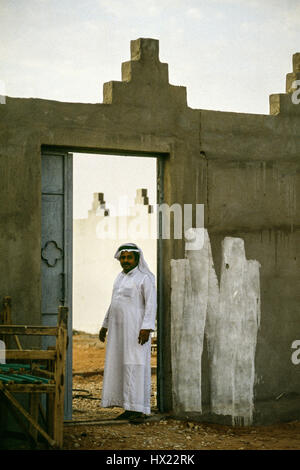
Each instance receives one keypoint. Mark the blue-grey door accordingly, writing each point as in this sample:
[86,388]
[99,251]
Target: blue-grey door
[56,250]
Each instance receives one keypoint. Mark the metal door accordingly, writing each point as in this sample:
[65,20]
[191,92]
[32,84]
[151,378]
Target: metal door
[56,250]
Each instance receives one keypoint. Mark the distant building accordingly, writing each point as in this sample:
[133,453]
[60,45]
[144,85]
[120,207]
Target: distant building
[95,241]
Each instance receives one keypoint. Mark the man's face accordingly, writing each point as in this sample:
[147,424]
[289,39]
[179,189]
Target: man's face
[127,260]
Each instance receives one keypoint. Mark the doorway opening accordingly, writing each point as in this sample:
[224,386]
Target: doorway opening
[114,202]
[126,183]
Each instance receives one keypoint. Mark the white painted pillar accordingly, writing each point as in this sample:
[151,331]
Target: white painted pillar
[233,357]
[189,280]
[229,317]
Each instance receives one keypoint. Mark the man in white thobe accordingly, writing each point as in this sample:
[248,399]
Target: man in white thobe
[129,321]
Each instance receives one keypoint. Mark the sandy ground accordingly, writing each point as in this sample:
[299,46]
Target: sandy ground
[162,434]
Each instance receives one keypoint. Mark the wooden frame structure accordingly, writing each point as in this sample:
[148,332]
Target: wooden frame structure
[36,384]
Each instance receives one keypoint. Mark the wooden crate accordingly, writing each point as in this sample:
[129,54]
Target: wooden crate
[48,365]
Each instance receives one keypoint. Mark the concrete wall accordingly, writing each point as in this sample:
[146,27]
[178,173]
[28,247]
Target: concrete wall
[244,168]
[253,193]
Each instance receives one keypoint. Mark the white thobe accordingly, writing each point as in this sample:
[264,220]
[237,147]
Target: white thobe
[127,372]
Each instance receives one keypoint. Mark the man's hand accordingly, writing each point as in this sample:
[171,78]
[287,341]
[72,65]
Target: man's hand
[102,334]
[143,336]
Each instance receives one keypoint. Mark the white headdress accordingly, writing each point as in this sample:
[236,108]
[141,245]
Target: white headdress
[143,266]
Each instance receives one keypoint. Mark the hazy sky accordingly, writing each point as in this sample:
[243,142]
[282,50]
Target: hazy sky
[230,54]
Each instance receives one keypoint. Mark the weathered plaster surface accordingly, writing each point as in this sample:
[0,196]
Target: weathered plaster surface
[228,316]
[236,329]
